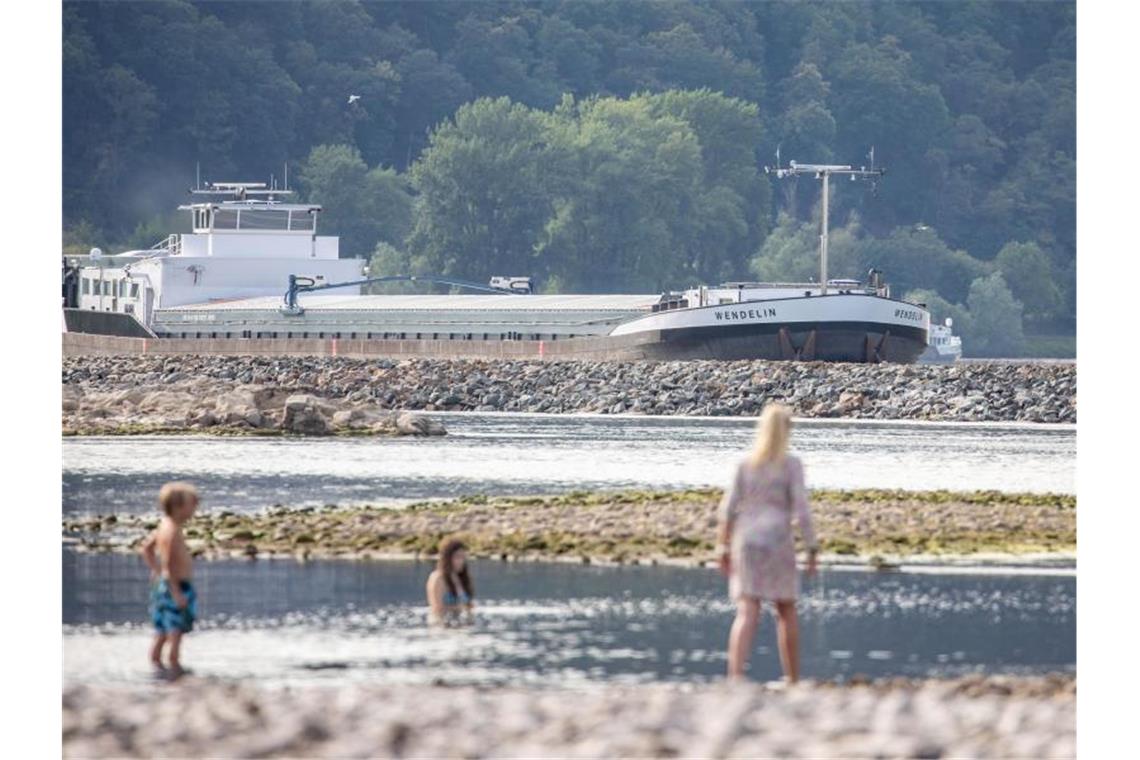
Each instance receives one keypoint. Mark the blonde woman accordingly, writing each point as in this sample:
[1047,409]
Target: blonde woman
[757,549]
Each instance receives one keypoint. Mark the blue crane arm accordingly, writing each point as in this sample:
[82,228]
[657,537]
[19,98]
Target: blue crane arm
[299,284]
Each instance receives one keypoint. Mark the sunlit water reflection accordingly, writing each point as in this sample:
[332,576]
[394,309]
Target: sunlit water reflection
[529,454]
[280,621]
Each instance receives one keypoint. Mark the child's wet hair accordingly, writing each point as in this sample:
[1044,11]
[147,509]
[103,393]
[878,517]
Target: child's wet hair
[176,494]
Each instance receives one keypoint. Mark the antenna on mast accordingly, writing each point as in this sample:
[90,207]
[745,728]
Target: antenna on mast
[286,175]
[197,175]
[823,172]
[241,191]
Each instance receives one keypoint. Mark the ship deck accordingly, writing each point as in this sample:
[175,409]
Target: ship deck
[465,316]
[442,303]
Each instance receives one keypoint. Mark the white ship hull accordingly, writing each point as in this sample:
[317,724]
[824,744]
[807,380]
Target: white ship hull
[853,327]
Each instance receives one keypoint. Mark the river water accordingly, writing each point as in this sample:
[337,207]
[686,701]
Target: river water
[281,621]
[535,454]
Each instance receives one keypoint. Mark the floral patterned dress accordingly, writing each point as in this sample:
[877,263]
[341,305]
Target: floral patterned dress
[760,507]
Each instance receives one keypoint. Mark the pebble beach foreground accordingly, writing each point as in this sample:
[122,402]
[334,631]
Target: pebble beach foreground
[997,716]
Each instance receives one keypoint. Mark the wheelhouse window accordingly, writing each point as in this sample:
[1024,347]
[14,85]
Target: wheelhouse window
[259,219]
[226,219]
[302,220]
[86,286]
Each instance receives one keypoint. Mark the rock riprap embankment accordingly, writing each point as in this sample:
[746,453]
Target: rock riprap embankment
[1034,392]
[625,526]
[207,405]
[995,717]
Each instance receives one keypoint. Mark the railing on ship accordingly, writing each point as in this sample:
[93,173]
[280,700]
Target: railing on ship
[170,245]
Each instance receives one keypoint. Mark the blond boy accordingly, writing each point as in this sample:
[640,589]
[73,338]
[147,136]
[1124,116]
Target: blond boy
[173,601]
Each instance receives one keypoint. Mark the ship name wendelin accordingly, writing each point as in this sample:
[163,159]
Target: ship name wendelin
[765,313]
[908,314]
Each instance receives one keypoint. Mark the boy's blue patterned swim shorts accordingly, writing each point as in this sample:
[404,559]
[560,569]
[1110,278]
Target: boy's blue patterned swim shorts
[164,612]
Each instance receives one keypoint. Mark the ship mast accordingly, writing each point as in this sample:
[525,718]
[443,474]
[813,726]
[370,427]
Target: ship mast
[823,172]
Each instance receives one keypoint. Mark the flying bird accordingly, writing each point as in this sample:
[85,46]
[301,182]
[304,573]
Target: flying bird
[353,98]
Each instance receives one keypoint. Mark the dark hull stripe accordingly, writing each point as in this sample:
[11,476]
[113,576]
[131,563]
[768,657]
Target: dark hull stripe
[834,341]
[796,328]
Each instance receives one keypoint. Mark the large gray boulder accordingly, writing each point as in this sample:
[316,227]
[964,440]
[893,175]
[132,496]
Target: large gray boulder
[306,415]
[358,418]
[236,406]
[409,423]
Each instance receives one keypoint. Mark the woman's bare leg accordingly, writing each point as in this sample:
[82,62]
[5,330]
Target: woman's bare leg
[789,639]
[742,634]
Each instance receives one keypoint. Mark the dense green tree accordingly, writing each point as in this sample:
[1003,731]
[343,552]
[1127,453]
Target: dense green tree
[995,319]
[791,252]
[497,56]
[619,218]
[1029,274]
[878,102]
[361,205]
[940,310]
[732,205]
[430,91]
[387,261]
[805,130]
[918,258]
[484,190]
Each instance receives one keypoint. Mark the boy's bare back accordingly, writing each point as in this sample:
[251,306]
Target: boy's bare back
[171,544]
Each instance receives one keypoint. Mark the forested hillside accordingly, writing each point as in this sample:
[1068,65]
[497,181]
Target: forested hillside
[605,146]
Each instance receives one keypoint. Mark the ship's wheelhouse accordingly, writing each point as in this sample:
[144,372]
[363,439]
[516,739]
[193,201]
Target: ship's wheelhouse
[208,218]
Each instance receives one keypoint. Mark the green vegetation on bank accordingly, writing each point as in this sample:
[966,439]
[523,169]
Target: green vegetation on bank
[1051,346]
[616,526]
[604,146]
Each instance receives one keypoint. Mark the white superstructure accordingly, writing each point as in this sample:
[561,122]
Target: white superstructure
[243,247]
[942,345]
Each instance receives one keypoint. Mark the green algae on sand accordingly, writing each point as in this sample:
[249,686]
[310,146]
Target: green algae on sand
[623,526]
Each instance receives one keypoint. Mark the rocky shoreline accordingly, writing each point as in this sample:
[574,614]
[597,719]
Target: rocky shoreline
[877,527]
[996,716]
[104,393]
[203,406]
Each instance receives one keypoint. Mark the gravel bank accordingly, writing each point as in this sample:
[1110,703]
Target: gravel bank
[877,526]
[999,717]
[963,392]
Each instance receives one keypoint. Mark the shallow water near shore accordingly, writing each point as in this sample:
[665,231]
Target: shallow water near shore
[557,624]
[505,454]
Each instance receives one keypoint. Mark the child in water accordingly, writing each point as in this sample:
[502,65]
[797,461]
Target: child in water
[449,588]
[173,601]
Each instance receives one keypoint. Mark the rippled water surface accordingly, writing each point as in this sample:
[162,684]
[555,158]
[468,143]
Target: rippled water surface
[558,624]
[515,454]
